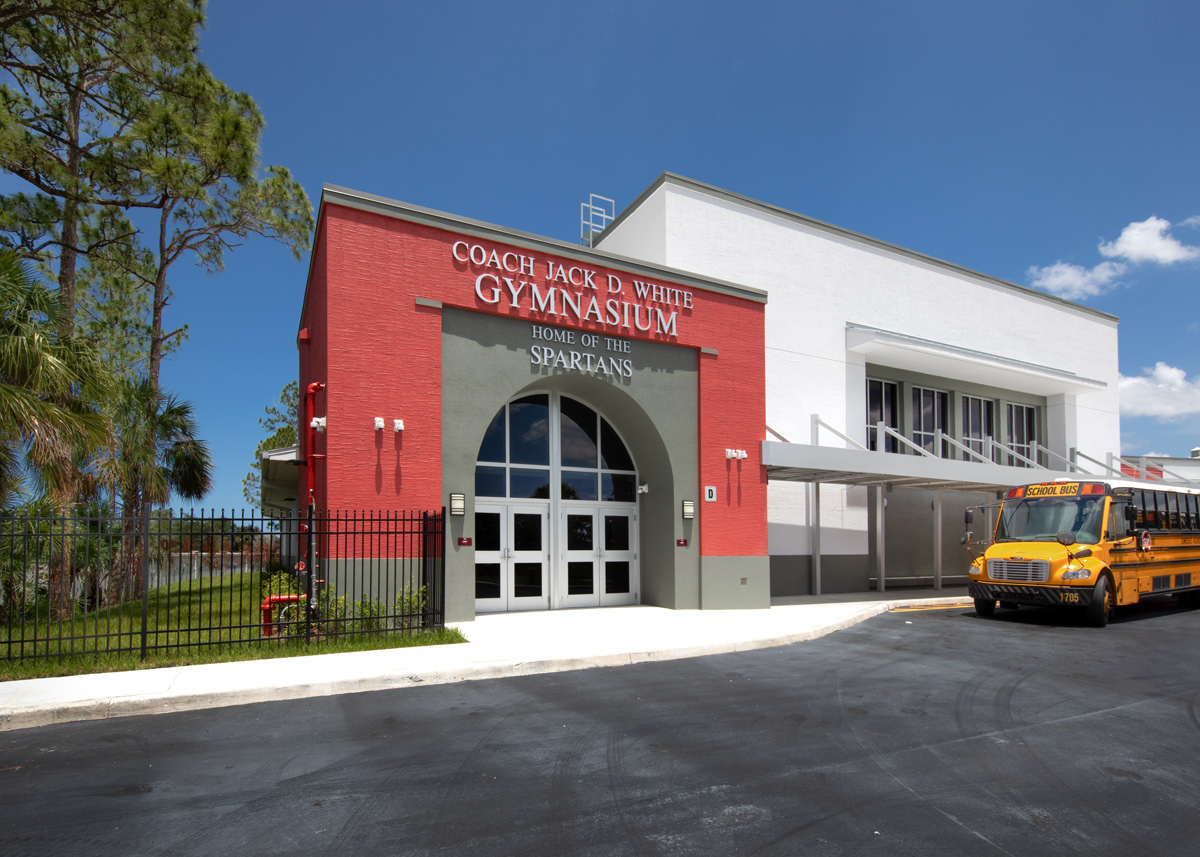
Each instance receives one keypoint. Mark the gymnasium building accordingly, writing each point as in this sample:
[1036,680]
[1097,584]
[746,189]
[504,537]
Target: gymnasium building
[708,403]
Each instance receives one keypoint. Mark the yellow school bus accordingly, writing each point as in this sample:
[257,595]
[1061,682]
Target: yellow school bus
[1089,544]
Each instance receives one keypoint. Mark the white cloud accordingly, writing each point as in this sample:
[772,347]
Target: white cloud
[1075,282]
[1163,392]
[1149,241]
[1191,221]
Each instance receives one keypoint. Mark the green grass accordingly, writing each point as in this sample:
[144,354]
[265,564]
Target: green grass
[174,638]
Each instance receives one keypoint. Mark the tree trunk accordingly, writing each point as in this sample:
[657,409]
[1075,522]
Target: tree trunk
[61,582]
[68,258]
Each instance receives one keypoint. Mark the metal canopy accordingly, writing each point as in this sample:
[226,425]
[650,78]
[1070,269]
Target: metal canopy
[797,462]
[280,479]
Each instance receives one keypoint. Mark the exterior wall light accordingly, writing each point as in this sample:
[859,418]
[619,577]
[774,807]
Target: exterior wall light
[689,509]
[458,504]
[736,453]
[379,424]
[397,425]
[643,488]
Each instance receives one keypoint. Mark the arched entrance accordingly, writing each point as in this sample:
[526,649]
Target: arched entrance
[556,513]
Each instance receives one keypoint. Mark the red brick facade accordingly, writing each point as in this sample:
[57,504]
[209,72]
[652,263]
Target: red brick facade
[371,332]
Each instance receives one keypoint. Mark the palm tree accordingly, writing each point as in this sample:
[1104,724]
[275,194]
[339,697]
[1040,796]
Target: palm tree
[154,454]
[49,388]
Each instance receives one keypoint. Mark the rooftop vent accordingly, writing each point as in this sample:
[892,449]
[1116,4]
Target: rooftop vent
[1196,452]
[594,215]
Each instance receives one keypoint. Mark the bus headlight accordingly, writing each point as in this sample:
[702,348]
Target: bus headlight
[1073,572]
[974,570]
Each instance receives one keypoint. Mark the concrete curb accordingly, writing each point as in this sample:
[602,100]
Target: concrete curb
[243,685]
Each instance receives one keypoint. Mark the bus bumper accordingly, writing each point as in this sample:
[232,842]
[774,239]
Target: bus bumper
[1032,596]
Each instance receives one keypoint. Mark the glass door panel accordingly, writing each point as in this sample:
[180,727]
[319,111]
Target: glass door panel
[579,585]
[530,557]
[489,562]
[619,557]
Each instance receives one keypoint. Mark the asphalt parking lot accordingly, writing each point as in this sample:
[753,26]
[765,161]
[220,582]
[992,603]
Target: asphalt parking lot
[930,732]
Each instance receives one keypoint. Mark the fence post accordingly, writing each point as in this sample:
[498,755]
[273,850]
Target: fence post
[310,587]
[145,573]
[429,539]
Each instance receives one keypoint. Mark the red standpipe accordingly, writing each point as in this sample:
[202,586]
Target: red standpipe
[310,396]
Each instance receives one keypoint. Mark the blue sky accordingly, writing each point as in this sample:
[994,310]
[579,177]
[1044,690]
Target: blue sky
[1048,143]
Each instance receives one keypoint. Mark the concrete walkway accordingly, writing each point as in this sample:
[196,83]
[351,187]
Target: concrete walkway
[500,645]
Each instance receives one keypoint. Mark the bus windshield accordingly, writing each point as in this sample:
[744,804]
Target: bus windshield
[1041,519]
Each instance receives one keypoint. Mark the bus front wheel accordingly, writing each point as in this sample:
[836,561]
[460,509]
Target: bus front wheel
[984,606]
[1100,610]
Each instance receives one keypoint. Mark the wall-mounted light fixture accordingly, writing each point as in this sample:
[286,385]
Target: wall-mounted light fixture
[736,453]
[643,488]
[689,509]
[379,424]
[397,425]
[458,504]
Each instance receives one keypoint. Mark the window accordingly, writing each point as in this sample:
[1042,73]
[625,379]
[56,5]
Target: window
[1116,520]
[1022,433]
[1173,511]
[515,458]
[930,415]
[1164,514]
[883,400]
[1139,505]
[977,425]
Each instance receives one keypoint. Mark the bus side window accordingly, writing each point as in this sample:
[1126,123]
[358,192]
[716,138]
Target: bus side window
[1139,503]
[1164,517]
[1115,526]
[1173,503]
[1193,513]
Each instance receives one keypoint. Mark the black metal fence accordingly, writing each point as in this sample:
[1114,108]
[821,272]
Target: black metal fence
[167,581]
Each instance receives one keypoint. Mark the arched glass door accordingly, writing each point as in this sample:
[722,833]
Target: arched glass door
[550,458]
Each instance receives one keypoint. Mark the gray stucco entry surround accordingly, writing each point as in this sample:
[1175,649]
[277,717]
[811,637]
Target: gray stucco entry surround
[486,362]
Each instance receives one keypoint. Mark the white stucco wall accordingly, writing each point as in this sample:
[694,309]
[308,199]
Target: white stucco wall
[641,234]
[818,279]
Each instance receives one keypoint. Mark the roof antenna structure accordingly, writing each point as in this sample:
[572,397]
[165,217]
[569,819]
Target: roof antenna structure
[594,215]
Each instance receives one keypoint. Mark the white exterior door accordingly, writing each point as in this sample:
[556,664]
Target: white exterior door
[512,557]
[619,575]
[598,561]
[578,575]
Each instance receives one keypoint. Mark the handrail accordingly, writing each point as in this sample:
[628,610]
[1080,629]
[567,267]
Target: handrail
[885,429]
[1072,467]
[1015,454]
[817,422]
[945,437]
[1111,470]
[1142,467]
[1072,464]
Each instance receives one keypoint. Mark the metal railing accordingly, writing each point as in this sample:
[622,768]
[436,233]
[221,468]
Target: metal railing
[1144,468]
[165,581]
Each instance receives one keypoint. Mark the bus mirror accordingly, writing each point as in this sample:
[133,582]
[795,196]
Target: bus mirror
[1066,538]
[968,516]
[966,537]
[1130,513]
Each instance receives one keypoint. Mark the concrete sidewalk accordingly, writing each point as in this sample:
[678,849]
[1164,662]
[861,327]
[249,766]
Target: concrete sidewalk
[500,645]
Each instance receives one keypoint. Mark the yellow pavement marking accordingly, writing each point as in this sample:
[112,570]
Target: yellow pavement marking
[916,608]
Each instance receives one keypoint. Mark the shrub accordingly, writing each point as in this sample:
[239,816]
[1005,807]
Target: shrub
[370,613]
[410,609]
